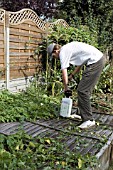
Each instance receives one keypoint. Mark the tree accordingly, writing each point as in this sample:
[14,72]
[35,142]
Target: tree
[43,8]
[98,15]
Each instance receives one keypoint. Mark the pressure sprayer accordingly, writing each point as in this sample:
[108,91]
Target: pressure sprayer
[66,107]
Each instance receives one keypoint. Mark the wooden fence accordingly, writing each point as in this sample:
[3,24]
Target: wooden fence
[20,34]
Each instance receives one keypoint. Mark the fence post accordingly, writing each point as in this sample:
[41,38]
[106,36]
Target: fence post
[7,62]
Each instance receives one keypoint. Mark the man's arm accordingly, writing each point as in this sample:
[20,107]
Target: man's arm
[76,70]
[65,76]
[65,79]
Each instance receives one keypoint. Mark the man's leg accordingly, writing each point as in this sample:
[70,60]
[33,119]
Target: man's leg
[89,79]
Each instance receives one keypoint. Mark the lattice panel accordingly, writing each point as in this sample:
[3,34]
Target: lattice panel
[59,22]
[24,15]
[16,18]
[2,15]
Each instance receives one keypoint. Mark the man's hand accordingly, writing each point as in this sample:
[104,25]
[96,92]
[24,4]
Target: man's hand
[70,77]
[68,93]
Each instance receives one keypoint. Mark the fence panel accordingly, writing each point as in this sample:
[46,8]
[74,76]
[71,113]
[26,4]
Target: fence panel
[24,40]
[20,34]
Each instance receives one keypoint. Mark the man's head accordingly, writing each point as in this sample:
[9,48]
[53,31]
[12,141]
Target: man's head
[50,49]
[53,50]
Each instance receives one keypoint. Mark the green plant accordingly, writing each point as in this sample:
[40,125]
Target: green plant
[21,151]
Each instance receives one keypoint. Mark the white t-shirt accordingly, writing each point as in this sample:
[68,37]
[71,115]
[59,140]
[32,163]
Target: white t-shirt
[78,53]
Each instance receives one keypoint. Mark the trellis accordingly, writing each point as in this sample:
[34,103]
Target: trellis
[20,34]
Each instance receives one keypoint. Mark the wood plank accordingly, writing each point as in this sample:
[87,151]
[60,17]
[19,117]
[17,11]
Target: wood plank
[23,47]
[24,34]
[27,27]
[18,40]
[40,132]
[7,127]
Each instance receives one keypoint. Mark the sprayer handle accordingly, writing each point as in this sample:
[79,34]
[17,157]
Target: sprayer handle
[68,93]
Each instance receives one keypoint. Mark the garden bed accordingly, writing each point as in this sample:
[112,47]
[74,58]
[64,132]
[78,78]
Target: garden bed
[96,141]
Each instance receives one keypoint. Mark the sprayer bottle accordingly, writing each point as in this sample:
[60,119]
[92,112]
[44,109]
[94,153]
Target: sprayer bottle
[66,107]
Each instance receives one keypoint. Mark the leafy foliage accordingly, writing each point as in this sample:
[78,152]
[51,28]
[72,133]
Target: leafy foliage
[30,105]
[95,14]
[106,81]
[21,151]
[63,35]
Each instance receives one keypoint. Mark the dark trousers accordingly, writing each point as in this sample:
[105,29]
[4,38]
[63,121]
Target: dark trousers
[89,79]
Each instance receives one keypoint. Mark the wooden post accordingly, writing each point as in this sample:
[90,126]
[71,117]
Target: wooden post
[6,48]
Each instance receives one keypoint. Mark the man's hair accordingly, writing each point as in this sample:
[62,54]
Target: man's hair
[56,47]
